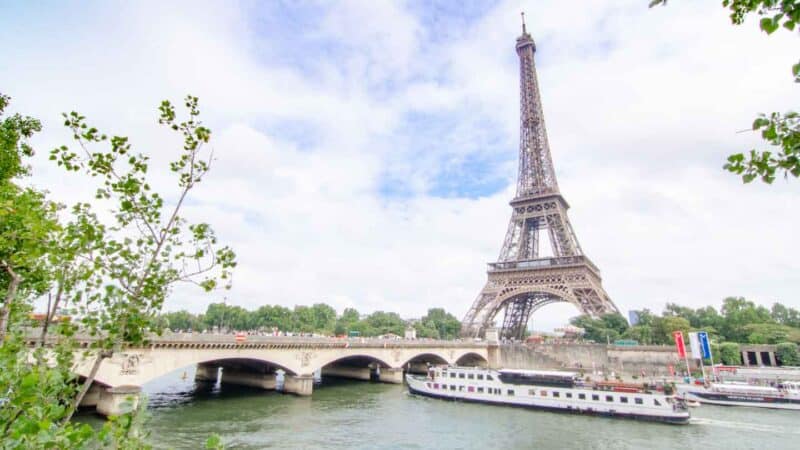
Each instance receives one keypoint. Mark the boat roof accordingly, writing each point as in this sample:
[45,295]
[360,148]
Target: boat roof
[743,387]
[545,373]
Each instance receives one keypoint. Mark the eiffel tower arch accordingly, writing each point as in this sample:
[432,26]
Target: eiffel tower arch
[524,279]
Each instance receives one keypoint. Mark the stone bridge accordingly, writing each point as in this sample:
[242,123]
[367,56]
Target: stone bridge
[257,361]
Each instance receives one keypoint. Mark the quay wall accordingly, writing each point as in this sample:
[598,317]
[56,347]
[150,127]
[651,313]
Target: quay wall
[654,360]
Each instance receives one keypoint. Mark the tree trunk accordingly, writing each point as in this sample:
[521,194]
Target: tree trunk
[10,294]
[51,312]
[87,384]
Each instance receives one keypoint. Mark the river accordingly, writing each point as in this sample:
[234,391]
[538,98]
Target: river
[353,414]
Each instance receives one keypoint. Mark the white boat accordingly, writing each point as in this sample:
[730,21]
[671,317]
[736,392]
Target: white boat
[548,390]
[783,396]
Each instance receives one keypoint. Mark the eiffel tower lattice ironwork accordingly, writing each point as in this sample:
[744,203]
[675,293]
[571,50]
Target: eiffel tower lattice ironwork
[523,280]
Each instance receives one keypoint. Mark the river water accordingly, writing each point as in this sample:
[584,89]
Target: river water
[354,415]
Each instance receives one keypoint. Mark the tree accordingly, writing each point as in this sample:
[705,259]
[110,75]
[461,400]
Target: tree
[766,333]
[729,354]
[668,325]
[381,322]
[781,131]
[27,219]
[324,318]
[641,333]
[182,320]
[275,316]
[347,321]
[739,312]
[597,330]
[112,269]
[786,353]
[785,316]
[438,324]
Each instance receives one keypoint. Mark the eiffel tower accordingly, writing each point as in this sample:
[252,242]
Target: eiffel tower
[523,280]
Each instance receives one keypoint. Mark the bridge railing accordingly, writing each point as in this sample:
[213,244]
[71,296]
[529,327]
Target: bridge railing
[170,338]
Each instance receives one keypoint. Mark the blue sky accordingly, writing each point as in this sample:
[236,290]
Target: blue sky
[366,151]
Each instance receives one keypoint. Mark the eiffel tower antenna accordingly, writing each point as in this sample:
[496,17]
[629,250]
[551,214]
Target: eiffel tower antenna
[524,279]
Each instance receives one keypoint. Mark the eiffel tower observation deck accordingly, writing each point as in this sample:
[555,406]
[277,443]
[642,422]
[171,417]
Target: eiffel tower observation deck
[527,275]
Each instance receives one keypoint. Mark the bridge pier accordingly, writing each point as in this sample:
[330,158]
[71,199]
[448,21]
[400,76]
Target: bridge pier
[92,395]
[252,379]
[206,373]
[302,385]
[394,376]
[356,373]
[118,400]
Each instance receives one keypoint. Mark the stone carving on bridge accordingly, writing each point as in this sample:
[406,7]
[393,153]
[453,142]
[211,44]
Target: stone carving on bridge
[129,362]
[305,358]
[396,354]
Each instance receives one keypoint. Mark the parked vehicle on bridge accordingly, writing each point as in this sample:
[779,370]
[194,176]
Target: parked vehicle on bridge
[549,390]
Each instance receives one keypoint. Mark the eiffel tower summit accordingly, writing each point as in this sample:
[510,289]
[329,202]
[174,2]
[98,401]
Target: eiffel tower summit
[527,275]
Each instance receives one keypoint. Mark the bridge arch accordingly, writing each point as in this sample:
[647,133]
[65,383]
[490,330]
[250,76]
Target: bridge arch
[472,359]
[357,360]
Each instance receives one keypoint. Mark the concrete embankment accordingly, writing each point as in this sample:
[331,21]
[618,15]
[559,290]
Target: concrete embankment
[654,360]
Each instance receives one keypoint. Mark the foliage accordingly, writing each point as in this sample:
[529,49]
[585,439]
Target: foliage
[786,353]
[319,318]
[739,320]
[438,324]
[767,333]
[781,131]
[112,268]
[607,328]
[729,354]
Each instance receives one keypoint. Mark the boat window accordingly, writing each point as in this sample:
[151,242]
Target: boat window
[510,392]
[569,394]
[480,390]
[609,398]
[655,402]
[543,393]
[461,388]
[489,377]
[471,376]
[461,375]
[556,394]
[638,401]
[532,392]
[452,387]
[471,389]
[595,397]
[582,396]
[480,376]
[497,391]
[428,384]
[623,399]
[452,375]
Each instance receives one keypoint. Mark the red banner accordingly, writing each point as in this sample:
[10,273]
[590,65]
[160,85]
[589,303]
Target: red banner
[678,336]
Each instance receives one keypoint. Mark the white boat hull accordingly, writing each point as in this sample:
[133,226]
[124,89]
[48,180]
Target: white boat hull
[666,414]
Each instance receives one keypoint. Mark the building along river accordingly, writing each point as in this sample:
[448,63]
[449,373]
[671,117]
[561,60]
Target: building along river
[352,414]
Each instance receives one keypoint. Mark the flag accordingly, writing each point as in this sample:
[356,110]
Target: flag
[694,343]
[678,336]
[705,345]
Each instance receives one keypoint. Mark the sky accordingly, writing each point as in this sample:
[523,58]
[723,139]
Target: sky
[366,151]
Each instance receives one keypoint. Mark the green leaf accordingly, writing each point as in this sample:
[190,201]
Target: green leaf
[769,25]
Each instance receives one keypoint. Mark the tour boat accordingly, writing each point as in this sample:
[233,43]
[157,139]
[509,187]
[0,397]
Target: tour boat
[549,390]
[783,396]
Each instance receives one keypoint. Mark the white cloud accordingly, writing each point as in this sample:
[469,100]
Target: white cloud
[641,106]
